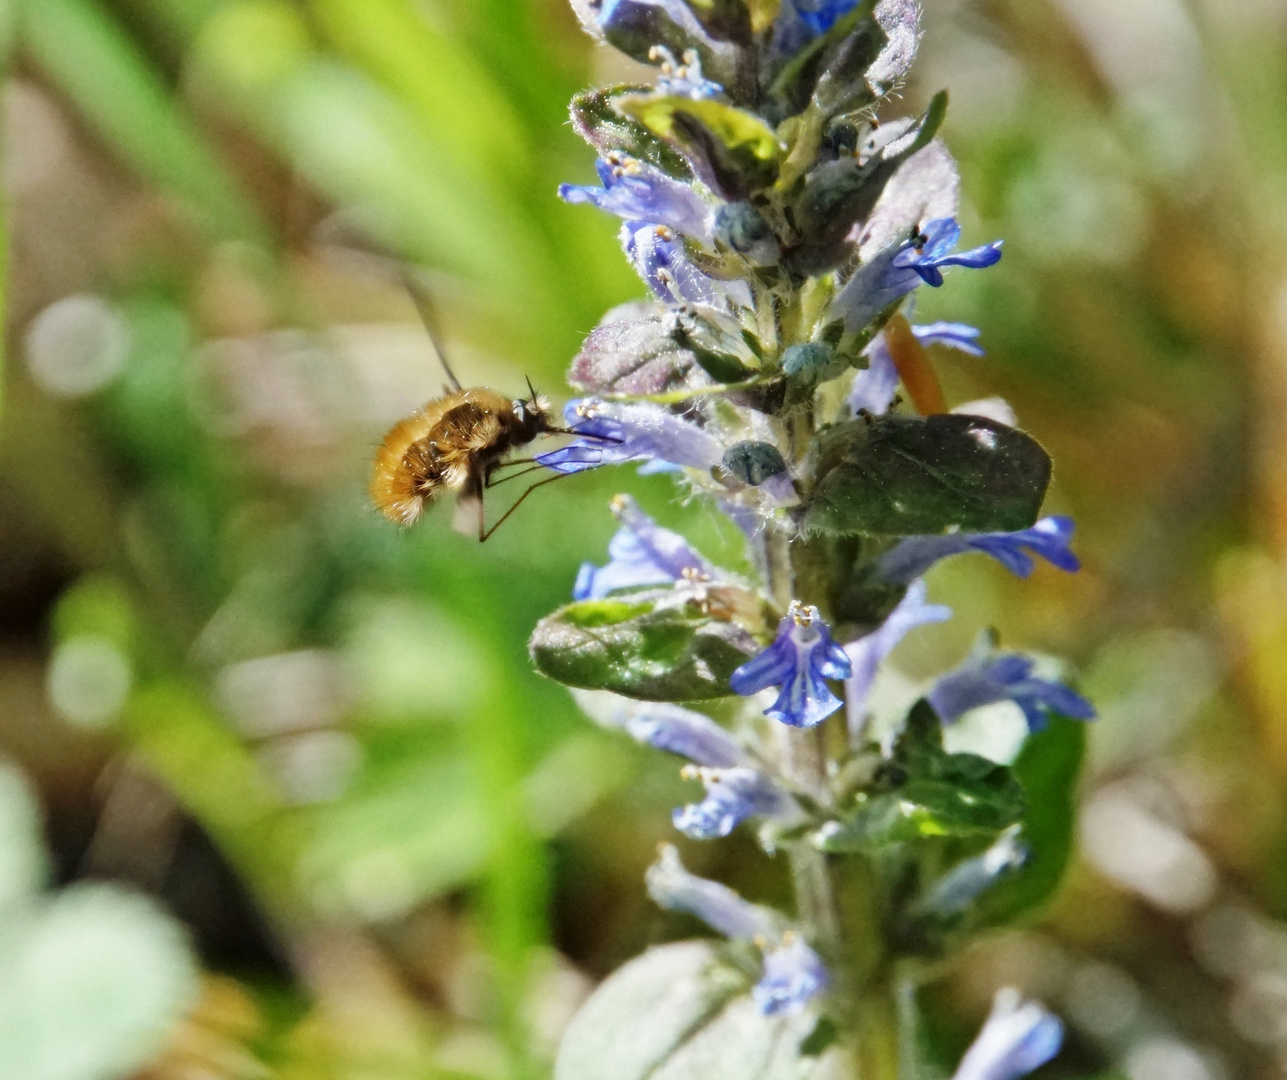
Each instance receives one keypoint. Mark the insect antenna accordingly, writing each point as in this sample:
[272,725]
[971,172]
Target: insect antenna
[429,316]
[530,388]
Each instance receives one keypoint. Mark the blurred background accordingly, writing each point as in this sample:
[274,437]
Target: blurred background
[280,795]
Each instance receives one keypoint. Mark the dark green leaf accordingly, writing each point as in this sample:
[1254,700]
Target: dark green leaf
[684,1012]
[929,808]
[598,122]
[899,476]
[1047,768]
[641,648]
[922,791]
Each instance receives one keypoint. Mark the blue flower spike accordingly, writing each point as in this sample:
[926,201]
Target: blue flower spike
[637,191]
[732,796]
[641,553]
[984,681]
[801,659]
[793,973]
[1017,1038]
[1048,539]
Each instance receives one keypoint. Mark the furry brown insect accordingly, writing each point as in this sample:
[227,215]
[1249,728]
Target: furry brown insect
[454,444]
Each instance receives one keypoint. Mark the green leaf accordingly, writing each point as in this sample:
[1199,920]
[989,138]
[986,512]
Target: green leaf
[641,647]
[899,476]
[1047,768]
[927,808]
[598,121]
[741,150]
[93,982]
[684,1012]
[923,792]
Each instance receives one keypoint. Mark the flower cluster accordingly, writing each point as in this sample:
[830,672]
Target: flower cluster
[781,225]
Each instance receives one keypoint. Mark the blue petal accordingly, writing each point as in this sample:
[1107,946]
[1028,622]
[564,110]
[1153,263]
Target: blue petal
[1049,539]
[1006,678]
[800,661]
[719,907]
[612,432]
[956,890]
[874,388]
[793,976]
[1017,1038]
[641,553]
[957,336]
[769,668]
[732,796]
[637,191]
[658,255]
[681,731]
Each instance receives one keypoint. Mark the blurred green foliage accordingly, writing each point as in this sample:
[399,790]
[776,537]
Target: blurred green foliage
[320,741]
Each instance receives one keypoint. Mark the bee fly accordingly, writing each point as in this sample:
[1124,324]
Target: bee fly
[454,444]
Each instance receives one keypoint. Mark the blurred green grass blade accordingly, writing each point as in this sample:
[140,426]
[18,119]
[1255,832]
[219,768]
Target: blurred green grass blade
[77,46]
[366,150]
[461,107]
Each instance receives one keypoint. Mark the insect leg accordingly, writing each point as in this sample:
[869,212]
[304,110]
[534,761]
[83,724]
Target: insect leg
[519,502]
[514,476]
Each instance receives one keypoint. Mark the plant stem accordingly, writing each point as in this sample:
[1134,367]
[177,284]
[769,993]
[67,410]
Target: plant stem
[803,763]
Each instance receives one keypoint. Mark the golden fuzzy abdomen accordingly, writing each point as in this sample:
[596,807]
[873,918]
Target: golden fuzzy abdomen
[440,448]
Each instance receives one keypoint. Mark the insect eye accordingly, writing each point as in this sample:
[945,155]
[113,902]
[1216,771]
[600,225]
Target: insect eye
[519,406]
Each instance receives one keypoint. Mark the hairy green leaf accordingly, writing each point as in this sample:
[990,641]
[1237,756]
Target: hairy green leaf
[643,646]
[598,121]
[684,1012]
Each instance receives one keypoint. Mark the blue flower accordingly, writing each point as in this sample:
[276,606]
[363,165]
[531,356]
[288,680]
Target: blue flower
[900,268]
[957,336]
[1048,538]
[732,796]
[658,255]
[642,553]
[672,887]
[874,387]
[793,973]
[637,191]
[611,432]
[1017,1038]
[956,890]
[868,653]
[982,681]
[685,79]
[681,731]
[801,660]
